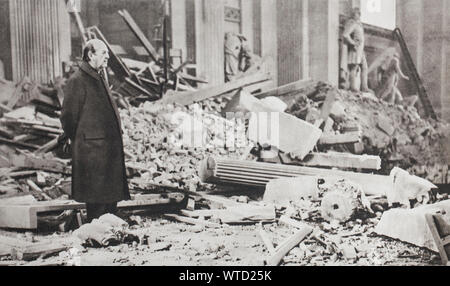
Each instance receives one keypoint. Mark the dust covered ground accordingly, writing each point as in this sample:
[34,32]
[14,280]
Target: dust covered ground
[178,244]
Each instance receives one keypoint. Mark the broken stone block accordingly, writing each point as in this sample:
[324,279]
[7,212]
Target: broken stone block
[313,115]
[285,190]
[384,124]
[348,251]
[409,225]
[408,187]
[337,112]
[279,129]
[284,131]
[274,102]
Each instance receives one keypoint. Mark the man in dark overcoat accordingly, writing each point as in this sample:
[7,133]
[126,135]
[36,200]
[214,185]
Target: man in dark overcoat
[90,119]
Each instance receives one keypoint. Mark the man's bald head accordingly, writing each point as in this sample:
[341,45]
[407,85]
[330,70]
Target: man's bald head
[96,54]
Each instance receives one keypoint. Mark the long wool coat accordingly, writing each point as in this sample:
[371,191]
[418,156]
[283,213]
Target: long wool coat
[91,120]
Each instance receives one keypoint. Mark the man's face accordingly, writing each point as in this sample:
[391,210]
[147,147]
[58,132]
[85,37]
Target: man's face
[99,59]
[356,14]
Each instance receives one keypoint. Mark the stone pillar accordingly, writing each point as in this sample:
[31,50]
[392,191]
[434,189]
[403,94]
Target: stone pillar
[324,40]
[269,44]
[293,39]
[210,21]
[445,73]
[433,51]
[178,19]
[247,21]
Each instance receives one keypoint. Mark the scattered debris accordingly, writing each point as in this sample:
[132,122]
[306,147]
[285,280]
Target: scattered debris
[409,225]
[105,231]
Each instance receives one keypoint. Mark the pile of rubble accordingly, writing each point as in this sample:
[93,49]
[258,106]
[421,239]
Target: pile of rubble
[333,175]
[30,130]
[159,142]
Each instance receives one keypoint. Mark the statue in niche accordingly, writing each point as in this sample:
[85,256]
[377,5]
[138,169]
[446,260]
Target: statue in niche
[353,70]
[239,58]
[233,47]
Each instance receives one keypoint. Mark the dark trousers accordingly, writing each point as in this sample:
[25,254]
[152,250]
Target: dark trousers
[97,210]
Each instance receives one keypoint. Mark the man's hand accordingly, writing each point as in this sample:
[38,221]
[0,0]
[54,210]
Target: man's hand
[66,146]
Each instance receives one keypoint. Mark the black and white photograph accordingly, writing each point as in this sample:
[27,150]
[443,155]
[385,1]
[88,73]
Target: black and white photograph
[224,133]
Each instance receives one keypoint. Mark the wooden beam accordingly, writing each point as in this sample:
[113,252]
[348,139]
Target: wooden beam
[241,214]
[187,98]
[330,139]
[35,188]
[193,221]
[338,160]
[294,223]
[30,161]
[287,245]
[37,250]
[139,34]
[47,147]
[297,86]
[438,240]
[18,144]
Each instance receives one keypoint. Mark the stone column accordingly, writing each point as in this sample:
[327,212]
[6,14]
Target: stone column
[293,40]
[324,40]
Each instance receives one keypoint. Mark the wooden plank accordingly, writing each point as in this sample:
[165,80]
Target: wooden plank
[437,238]
[139,34]
[187,98]
[6,133]
[37,250]
[33,162]
[47,147]
[48,129]
[19,144]
[287,245]
[297,86]
[238,214]
[37,189]
[220,200]
[21,174]
[294,223]
[193,221]
[191,78]
[138,87]
[339,160]
[330,139]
